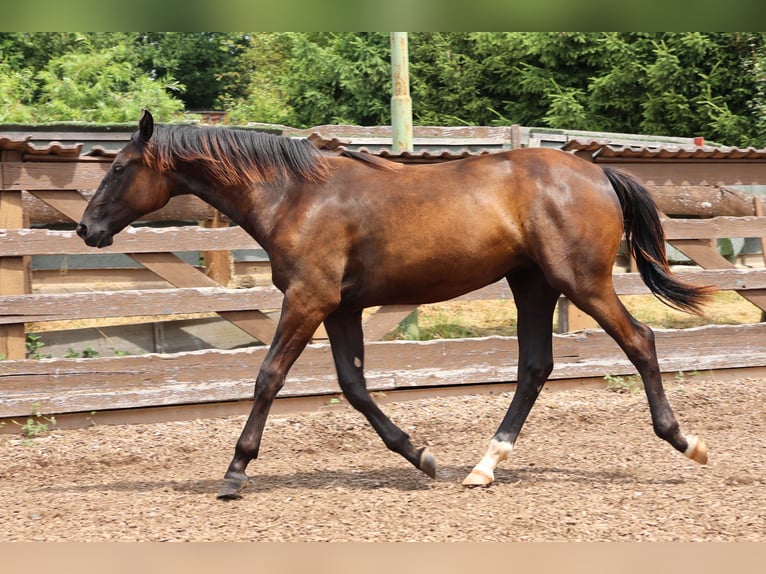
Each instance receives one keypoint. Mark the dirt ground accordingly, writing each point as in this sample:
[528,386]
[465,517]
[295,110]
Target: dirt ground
[587,467]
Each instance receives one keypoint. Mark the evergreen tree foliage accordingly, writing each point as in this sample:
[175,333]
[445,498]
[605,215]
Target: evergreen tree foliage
[710,84]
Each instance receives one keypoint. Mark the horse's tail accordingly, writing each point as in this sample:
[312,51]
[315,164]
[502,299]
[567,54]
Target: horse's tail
[646,241]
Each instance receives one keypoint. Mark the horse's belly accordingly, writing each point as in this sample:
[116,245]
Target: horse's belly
[429,282]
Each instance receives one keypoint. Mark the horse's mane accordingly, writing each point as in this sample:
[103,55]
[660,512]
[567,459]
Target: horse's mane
[234,157]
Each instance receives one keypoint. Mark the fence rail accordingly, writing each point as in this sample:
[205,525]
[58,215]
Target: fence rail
[40,190]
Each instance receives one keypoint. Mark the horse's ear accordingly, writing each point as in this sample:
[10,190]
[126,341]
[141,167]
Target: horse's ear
[146,125]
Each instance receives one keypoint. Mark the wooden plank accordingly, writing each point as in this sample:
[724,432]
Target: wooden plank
[81,385]
[315,403]
[71,204]
[180,274]
[105,278]
[495,291]
[194,238]
[254,322]
[172,336]
[67,202]
[14,271]
[165,265]
[632,284]
[126,303]
[173,270]
[133,303]
[12,280]
[131,240]
[703,255]
[385,319]
[93,304]
[759,211]
[218,263]
[722,279]
[701,200]
[180,208]
[572,318]
[715,227]
[61,175]
[758,207]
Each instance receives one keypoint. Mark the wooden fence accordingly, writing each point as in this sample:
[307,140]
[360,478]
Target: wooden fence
[39,189]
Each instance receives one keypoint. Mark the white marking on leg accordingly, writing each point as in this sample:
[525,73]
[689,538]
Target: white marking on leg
[498,451]
[696,449]
[692,445]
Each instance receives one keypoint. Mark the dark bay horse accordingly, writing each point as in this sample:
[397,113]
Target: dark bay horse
[350,231]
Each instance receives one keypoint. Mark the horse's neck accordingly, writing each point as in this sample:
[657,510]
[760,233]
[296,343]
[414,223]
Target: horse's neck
[253,208]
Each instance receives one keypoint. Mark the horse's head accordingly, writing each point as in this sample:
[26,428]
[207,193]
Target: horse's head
[130,189]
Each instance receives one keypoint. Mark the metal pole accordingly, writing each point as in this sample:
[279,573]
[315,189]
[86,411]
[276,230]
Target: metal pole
[401,129]
[401,103]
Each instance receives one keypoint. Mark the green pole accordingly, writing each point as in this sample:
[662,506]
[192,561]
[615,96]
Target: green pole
[401,102]
[401,126]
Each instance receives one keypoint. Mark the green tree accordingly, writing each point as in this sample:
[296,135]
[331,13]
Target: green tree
[102,86]
[16,95]
[340,78]
[679,84]
[307,79]
[671,83]
[32,50]
[260,95]
[447,81]
[209,64]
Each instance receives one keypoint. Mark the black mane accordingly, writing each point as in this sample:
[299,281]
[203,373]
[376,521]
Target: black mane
[232,156]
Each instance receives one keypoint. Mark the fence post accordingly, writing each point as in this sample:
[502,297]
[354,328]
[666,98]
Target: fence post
[217,263]
[758,210]
[570,318]
[14,277]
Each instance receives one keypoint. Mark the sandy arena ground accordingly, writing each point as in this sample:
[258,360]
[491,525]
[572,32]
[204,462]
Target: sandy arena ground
[587,467]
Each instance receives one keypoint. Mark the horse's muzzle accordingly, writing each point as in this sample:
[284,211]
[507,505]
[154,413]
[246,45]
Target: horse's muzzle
[94,238]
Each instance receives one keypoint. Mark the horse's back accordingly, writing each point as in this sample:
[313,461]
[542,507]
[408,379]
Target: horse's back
[426,233]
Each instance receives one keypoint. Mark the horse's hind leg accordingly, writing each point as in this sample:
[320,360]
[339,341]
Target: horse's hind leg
[535,301]
[637,341]
[346,338]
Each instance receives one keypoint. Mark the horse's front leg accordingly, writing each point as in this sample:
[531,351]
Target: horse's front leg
[297,325]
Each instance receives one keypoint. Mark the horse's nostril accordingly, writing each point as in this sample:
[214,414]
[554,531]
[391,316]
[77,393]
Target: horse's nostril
[82,230]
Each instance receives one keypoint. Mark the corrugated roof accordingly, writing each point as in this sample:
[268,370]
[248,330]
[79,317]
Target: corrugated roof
[28,148]
[602,150]
[101,151]
[425,155]
[439,150]
[423,152]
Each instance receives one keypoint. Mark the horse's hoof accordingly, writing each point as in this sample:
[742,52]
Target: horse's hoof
[231,487]
[479,477]
[697,449]
[427,463]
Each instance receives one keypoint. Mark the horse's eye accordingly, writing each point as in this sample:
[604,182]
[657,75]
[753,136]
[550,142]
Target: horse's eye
[118,169]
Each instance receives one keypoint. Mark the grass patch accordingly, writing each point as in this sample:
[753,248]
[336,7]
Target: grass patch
[725,308]
[619,384]
[36,425]
[458,319]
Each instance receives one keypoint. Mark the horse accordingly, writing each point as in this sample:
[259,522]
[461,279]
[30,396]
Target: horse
[350,230]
